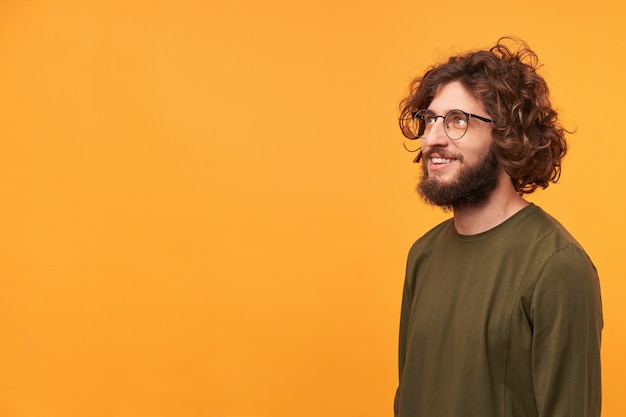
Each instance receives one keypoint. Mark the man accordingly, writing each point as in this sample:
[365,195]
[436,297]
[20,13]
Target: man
[501,310]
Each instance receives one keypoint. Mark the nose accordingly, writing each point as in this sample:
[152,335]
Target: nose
[436,135]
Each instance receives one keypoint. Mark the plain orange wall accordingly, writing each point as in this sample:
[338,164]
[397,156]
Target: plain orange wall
[206,205]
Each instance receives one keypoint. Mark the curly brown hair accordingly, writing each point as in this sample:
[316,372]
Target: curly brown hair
[528,139]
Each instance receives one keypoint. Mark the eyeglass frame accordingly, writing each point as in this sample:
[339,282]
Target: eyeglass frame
[468,116]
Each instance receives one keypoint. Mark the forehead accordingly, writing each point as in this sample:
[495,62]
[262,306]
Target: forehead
[454,95]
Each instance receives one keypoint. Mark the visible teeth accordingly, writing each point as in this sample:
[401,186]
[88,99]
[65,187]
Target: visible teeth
[441,160]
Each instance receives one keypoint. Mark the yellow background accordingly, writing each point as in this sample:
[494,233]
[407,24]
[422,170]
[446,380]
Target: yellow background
[206,206]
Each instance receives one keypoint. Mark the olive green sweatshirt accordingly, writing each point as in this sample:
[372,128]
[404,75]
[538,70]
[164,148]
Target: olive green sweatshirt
[506,323]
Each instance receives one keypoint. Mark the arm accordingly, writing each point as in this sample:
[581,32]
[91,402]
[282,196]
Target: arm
[404,321]
[567,322]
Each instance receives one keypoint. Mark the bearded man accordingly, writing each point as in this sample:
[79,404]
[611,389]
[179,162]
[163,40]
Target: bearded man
[501,309]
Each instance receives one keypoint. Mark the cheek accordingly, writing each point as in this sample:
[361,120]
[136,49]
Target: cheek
[478,153]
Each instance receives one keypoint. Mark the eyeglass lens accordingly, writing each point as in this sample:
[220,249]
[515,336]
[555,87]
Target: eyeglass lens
[455,123]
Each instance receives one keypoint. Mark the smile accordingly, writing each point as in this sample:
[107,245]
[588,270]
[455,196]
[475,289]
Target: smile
[440,160]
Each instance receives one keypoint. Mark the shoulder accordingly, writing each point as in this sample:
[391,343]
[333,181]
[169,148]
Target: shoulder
[427,241]
[421,251]
[565,265]
[569,267]
[551,234]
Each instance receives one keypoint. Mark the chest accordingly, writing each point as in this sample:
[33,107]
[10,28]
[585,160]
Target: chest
[463,298]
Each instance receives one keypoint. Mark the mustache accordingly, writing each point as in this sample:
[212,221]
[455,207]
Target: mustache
[439,150]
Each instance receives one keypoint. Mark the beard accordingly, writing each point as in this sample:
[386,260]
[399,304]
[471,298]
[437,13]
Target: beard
[472,186]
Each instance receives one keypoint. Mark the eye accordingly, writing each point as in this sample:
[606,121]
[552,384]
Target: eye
[456,119]
[429,118]
[460,122]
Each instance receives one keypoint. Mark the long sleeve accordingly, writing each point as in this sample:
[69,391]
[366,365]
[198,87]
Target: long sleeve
[404,323]
[566,317]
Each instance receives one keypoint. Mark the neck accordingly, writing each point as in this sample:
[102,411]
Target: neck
[501,204]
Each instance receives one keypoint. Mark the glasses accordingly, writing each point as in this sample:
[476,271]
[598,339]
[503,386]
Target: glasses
[455,123]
